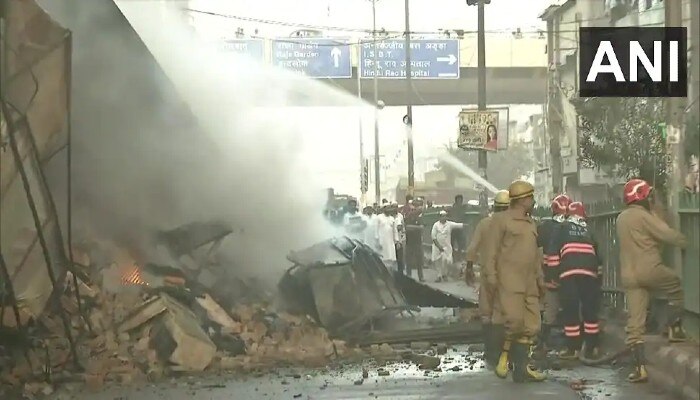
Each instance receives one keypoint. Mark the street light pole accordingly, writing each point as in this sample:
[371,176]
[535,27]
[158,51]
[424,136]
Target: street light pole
[409,108]
[481,95]
[377,187]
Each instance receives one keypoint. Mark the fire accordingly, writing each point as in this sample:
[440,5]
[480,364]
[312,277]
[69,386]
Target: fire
[132,276]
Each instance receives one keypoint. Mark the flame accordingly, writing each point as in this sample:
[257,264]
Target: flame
[132,276]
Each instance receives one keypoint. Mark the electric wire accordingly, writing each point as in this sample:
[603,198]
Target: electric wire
[444,32]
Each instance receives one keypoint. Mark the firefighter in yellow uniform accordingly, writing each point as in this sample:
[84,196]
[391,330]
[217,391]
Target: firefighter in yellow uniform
[640,234]
[490,319]
[513,266]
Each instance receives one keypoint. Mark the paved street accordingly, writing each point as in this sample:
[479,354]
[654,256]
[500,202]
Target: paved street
[405,382]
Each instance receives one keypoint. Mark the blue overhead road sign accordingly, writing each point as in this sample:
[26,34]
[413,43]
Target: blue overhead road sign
[253,48]
[430,59]
[313,57]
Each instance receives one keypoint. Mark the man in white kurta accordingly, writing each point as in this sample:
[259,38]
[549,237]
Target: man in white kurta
[370,232]
[386,236]
[442,244]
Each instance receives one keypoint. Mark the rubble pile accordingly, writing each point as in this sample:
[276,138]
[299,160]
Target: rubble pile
[156,321]
[138,321]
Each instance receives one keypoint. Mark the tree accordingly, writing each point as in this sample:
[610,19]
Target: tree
[623,136]
[503,168]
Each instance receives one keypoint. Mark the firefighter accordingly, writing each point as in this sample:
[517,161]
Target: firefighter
[545,232]
[512,265]
[491,322]
[640,234]
[578,269]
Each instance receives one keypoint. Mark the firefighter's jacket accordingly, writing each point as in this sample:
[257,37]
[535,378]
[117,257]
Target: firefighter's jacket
[550,255]
[576,249]
[641,234]
[476,250]
[512,259]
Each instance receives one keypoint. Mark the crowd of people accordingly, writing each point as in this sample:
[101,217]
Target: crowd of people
[534,273]
[396,234]
[388,229]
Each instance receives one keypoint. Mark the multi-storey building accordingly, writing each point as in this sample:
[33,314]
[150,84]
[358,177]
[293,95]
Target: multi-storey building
[563,22]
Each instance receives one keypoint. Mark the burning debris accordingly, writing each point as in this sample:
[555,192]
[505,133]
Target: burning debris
[143,322]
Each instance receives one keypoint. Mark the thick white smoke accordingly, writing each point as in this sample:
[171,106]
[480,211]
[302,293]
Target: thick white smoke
[137,165]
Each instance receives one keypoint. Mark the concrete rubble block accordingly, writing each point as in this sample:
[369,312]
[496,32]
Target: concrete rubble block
[424,362]
[341,347]
[217,314]
[10,380]
[98,321]
[145,313]
[111,341]
[33,389]
[230,363]
[253,332]
[244,312]
[179,339]
[94,382]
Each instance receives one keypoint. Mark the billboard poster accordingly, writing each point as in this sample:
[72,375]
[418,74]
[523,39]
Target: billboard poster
[479,130]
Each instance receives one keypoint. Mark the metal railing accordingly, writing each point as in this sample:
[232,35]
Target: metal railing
[601,221]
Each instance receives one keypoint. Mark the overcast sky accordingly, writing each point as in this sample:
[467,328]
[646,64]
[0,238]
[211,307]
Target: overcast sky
[335,154]
[426,15]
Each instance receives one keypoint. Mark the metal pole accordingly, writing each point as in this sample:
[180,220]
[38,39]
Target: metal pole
[554,109]
[481,96]
[377,187]
[694,90]
[359,121]
[409,108]
[674,122]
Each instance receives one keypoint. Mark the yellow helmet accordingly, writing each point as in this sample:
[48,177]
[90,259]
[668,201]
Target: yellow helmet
[501,198]
[520,190]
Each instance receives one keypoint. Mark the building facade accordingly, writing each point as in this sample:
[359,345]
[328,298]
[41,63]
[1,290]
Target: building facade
[561,120]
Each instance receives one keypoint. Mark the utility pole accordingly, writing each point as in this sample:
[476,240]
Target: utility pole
[377,187]
[481,96]
[552,103]
[408,120]
[694,90]
[674,109]
[363,189]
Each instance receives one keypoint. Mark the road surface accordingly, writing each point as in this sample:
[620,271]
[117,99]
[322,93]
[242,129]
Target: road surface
[404,382]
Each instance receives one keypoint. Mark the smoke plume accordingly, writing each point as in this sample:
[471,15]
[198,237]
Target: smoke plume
[209,139]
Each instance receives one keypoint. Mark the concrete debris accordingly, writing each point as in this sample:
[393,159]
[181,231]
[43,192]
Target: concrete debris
[154,321]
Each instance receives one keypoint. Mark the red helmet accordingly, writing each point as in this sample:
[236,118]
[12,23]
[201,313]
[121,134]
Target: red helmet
[636,190]
[577,209]
[560,204]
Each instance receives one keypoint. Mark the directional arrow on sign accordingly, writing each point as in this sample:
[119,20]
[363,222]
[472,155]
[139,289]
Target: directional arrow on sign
[451,59]
[335,53]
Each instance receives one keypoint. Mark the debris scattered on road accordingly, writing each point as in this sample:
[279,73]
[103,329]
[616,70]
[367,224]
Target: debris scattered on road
[146,321]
